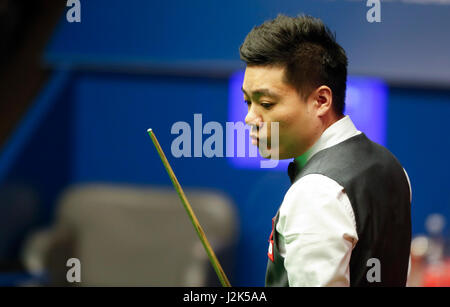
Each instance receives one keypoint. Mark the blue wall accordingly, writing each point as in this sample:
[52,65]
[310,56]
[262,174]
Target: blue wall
[141,64]
[417,135]
[410,44]
[35,167]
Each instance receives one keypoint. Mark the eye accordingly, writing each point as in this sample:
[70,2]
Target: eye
[266,105]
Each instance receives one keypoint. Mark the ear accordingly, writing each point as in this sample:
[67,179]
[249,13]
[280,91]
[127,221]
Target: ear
[323,97]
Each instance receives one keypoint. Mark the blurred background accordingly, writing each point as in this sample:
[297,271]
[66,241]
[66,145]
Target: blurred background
[80,178]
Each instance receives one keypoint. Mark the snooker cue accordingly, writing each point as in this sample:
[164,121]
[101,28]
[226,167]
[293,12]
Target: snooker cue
[212,256]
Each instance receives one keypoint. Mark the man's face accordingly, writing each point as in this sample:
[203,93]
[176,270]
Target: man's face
[269,100]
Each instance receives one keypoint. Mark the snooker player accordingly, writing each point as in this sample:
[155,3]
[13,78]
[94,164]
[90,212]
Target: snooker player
[345,220]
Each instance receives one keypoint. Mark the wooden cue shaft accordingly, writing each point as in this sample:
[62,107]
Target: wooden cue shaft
[212,256]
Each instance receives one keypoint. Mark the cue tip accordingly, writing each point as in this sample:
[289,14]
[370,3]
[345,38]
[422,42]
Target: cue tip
[149,130]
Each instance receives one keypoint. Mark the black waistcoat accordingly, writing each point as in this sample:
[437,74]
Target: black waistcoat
[378,191]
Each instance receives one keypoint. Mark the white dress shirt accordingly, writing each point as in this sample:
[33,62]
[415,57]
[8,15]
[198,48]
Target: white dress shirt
[316,226]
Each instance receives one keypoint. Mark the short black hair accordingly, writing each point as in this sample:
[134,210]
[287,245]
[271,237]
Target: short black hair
[308,50]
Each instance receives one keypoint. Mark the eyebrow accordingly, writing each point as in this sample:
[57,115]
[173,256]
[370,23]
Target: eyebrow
[256,94]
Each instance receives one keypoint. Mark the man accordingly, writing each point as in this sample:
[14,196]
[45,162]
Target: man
[345,220]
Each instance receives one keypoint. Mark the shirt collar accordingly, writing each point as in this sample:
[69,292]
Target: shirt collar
[338,132]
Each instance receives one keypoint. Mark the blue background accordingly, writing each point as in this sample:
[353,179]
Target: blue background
[131,65]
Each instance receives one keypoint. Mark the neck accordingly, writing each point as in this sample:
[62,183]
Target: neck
[326,121]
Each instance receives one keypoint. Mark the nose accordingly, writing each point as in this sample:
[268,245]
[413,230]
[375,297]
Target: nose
[252,118]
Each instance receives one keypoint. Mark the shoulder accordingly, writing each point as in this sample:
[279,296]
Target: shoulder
[311,203]
[313,186]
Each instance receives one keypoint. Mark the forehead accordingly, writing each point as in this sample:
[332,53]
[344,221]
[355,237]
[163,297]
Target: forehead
[267,77]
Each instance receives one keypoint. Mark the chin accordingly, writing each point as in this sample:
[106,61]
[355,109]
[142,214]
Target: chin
[272,154]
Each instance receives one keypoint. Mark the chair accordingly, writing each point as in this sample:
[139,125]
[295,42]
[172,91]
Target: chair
[139,236]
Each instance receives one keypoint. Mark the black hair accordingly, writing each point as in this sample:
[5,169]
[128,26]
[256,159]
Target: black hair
[308,50]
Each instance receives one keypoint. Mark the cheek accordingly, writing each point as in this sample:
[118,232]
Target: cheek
[289,125]
[289,120]
[287,132]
